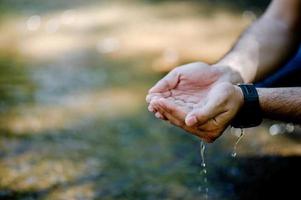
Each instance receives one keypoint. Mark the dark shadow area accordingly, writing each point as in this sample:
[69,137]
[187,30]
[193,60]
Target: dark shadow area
[239,5]
[261,178]
[7,194]
[37,6]
[287,76]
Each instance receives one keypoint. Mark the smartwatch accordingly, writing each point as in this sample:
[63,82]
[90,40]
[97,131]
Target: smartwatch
[250,114]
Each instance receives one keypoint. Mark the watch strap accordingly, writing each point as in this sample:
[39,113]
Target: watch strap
[250,114]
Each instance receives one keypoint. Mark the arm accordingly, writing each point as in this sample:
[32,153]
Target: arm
[268,43]
[281,103]
[225,100]
[264,47]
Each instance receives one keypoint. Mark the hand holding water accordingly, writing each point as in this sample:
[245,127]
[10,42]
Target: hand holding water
[197,98]
[209,118]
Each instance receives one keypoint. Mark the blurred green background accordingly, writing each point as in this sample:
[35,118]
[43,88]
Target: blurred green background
[73,120]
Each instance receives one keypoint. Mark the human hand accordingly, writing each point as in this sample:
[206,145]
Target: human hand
[189,84]
[207,119]
[184,88]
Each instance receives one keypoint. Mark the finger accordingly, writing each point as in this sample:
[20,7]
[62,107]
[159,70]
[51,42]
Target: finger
[170,81]
[204,113]
[155,107]
[159,115]
[172,119]
[169,110]
[173,109]
[214,128]
[151,109]
[153,96]
[216,124]
[179,123]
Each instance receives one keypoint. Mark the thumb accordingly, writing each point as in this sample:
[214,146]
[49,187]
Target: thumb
[202,114]
[170,81]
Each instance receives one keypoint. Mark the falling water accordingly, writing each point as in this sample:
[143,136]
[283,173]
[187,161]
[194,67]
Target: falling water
[242,133]
[203,171]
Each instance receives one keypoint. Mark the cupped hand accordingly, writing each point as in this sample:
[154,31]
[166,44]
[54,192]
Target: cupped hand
[190,83]
[207,119]
[184,88]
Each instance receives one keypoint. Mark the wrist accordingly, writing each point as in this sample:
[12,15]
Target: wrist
[264,101]
[250,113]
[229,74]
[242,65]
[240,97]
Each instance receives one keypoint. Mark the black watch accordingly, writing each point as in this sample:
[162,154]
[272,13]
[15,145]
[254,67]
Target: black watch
[250,114]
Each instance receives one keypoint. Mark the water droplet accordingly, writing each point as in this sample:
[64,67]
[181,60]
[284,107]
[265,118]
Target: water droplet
[202,152]
[203,172]
[234,154]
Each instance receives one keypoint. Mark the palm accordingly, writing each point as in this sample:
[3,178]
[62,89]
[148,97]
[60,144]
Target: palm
[187,99]
[191,88]
[183,94]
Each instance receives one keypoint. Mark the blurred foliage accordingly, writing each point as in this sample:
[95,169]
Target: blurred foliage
[256,5]
[15,84]
[7,6]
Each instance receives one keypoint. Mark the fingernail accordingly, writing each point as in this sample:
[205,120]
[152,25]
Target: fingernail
[191,120]
[158,115]
[151,109]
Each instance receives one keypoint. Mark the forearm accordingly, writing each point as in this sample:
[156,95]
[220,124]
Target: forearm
[281,103]
[268,43]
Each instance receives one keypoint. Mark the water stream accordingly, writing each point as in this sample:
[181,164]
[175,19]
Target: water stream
[234,152]
[203,171]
